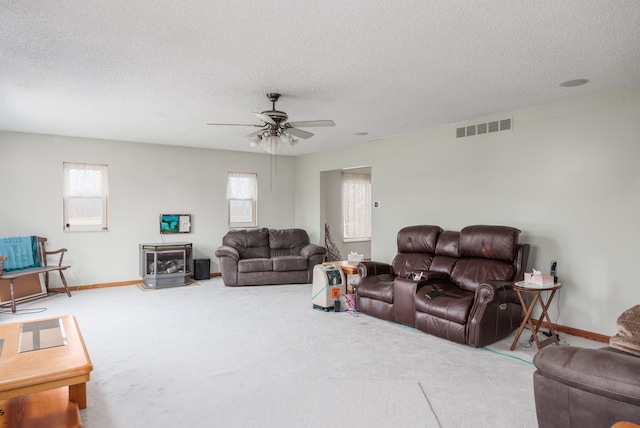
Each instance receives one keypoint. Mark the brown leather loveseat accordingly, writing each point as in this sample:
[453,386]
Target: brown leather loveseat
[474,269]
[260,256]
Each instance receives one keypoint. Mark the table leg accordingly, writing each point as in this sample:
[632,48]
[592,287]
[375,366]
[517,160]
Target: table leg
[552,338]
[78,393]
[526,319]
[535,326]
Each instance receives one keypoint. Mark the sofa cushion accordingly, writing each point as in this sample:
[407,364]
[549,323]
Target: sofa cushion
[454,305]
[255,265]
[416,247]
[408,262]
[448,244]
[250,243]
[470,273]
[447,252]
[418,239]
[378,287]
[489,242]
[287,242]
[287,263]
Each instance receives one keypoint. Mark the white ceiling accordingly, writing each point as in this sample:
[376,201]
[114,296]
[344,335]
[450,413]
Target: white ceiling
[155,71]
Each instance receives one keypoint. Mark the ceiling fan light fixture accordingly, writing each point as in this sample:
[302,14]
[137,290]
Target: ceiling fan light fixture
[286,138]
[255,140]
[275,130]
[269,141]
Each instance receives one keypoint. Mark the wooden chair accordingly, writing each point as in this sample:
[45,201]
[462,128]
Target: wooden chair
[44,268]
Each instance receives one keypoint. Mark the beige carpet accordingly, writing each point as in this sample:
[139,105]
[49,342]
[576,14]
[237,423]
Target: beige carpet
[216,356]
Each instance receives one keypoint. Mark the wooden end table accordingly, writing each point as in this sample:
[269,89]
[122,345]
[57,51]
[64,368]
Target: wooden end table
[534,289]
[47,368]
[348,268]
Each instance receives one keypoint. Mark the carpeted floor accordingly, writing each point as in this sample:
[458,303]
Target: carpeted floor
[216,356]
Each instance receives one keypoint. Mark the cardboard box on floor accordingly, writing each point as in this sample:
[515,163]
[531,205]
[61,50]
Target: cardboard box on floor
[24,287]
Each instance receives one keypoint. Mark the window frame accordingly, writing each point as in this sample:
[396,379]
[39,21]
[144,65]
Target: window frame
[365,203]
[248,194]
[73,198]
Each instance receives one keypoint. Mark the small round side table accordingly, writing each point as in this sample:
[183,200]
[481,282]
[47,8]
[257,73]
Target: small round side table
[534,289]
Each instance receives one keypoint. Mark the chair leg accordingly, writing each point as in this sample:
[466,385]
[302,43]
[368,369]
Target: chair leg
[13,297]
[64,281]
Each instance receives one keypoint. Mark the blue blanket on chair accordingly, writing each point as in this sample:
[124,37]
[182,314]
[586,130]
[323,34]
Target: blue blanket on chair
[21,252]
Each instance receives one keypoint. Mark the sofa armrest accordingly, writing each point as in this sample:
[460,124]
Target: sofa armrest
[496,291]
[404,293]
[312,249]
[227,251]
[373,268]
[605,372]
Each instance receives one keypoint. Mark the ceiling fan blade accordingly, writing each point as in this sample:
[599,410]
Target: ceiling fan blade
[265,118]
[233,124]
[298,133]
[312,123]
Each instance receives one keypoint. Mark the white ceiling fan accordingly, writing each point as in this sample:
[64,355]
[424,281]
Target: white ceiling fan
[275,130]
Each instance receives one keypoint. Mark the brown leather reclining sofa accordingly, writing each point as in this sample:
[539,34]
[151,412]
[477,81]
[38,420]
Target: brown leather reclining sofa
[261,256]
[474,268]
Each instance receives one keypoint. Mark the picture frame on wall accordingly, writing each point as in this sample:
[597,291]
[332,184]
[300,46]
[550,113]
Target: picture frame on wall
[175,223]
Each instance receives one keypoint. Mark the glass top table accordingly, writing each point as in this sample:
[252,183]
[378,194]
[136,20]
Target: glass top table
[43,334]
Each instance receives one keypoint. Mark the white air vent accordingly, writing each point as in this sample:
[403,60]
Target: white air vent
[484,128]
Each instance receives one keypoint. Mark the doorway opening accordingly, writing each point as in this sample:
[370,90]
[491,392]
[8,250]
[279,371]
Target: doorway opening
[332,212]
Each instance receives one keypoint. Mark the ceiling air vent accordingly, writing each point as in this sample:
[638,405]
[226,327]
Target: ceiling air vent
[484,128]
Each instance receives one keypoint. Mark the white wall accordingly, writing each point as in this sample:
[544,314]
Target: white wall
[568,176]
[144,181]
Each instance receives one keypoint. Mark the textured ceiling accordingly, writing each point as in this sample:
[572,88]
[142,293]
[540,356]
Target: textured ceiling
[157,71]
